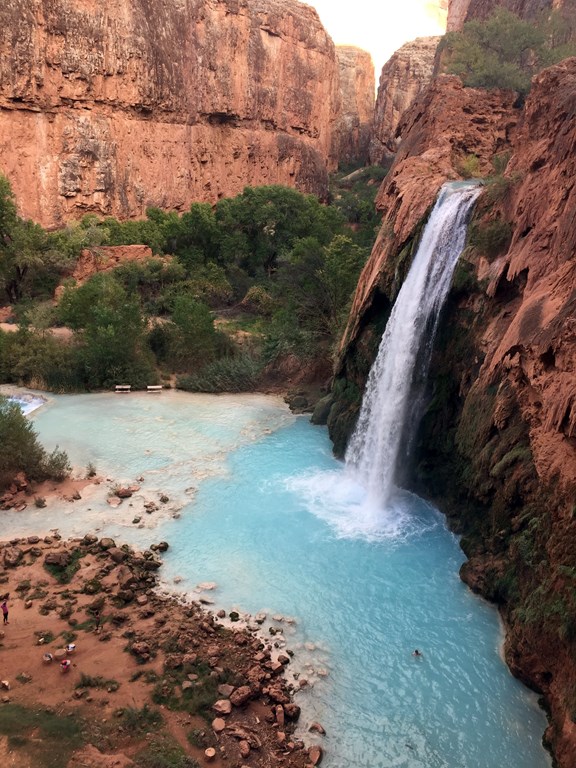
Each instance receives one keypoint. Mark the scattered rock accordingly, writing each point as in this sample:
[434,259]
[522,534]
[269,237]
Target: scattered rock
[240,696]
[315,754]
[218,724]
[222,706]
[317,728]
[12,557]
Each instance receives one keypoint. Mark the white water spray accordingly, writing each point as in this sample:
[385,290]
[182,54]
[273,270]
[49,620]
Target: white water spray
[388,402]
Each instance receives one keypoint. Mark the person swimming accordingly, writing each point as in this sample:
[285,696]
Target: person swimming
[416,652]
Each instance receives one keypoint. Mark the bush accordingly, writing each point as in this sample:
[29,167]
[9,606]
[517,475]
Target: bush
[490,238]
[20,450]
[56,465]
[229,374]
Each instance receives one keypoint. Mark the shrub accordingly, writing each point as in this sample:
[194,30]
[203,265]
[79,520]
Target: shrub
[20,450]
[490,238]
[56,465]
[229,374]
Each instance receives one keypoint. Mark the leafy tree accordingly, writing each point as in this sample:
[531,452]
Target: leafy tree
[260,226]
[503,51]
[198,238]
[194,339]
[317,283]
[112,332]
[20,450]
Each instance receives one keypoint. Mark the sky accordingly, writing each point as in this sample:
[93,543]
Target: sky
[378,26]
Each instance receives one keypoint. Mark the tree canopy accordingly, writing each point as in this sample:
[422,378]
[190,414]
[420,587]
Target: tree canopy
[505,51]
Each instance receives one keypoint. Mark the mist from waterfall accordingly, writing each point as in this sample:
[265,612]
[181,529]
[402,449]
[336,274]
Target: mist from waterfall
[387,413]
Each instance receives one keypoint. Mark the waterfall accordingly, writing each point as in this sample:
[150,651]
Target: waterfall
[389,402]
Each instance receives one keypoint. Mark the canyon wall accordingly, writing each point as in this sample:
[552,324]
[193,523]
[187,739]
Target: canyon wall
[114,106]
[354,126]
[497,444]
[403,77]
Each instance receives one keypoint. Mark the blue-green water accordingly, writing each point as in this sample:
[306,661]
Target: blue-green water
[266,514]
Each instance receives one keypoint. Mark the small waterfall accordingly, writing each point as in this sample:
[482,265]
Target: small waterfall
[389,399]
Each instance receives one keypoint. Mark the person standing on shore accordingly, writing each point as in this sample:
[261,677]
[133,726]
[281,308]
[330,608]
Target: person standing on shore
[5,610]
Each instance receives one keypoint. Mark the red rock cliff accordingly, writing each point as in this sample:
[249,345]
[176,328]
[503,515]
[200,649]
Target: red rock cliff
[497,446]
[403,77]
[444,125]
[354,126]
[118,105]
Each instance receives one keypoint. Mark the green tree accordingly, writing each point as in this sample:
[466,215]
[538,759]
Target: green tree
[111,332]
[503,51]
[198,238]
[194,339]
[260,226]
[20,450]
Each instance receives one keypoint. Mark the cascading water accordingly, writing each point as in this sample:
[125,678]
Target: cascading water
[388,402]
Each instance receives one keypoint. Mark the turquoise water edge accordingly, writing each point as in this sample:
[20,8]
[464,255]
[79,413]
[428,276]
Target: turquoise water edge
[258,505]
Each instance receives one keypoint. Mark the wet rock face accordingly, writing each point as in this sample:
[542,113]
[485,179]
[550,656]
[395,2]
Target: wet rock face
[354,126]
[141,103]
[403,77]
[444,126]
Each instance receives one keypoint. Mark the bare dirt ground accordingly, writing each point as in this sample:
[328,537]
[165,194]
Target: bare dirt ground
[146,672]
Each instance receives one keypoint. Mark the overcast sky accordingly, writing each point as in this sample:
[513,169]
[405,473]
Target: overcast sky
[378,26]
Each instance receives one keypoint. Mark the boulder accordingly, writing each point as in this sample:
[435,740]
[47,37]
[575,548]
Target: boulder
[240,696]
[12,556]
[106,543]
[58,559]
[218,724]
[315,754]
[222,706]
[117,555]
[125,577]
[244,748]
[90,539]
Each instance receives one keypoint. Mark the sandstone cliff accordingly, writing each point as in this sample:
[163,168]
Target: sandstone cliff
[497,445]
[403,77]
[354,126]
[115,106]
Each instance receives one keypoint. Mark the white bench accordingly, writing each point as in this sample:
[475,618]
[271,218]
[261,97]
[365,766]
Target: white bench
[122,388]
[154,388]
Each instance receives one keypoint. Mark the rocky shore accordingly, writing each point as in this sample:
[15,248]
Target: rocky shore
[152,681]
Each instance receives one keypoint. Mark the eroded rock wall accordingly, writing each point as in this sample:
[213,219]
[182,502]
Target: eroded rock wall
[354,126]
[497,445]
[118,105]
[403,77]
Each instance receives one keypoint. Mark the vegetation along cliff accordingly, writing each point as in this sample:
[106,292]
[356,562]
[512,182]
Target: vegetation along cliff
[114,107]
[497,443]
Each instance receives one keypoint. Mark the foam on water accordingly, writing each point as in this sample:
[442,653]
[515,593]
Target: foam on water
[338,499]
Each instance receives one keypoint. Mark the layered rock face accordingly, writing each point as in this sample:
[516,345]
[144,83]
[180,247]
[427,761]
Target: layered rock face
[497,445]
[115,106]
[403,77]
[354,126]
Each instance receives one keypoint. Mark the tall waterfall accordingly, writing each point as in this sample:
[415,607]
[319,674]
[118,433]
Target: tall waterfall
[389,399]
